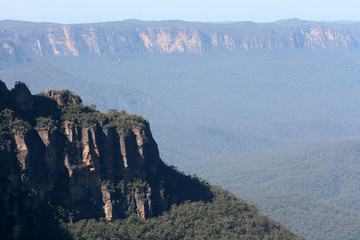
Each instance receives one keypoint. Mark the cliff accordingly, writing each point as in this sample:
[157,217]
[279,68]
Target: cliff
[10,52]
[76,162]
[118,38]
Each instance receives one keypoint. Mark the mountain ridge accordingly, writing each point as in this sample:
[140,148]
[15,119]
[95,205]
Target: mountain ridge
[114,38]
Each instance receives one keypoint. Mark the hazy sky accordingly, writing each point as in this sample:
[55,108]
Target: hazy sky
[77,11]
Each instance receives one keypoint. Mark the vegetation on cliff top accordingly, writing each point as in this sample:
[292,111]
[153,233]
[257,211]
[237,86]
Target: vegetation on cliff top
[48,115]
[86,116]
[10,123]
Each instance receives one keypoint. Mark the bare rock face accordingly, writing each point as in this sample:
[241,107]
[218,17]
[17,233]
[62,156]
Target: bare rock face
[108,206]
[99,154]
[10,52]
[22,151]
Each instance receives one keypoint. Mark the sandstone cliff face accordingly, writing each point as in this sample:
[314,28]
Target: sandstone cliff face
[75,158]
[10,52]
[98,154]
[119,38]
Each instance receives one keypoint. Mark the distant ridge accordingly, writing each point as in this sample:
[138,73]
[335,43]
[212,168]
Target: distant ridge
[292,21]
[174,36]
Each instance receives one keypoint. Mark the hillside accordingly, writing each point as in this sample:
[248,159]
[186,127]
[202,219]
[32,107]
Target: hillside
[64,164]
[323,221]
[328,173]
[226,217]
[325,180]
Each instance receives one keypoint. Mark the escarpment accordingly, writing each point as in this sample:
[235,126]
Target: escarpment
[71,159]
[119,38]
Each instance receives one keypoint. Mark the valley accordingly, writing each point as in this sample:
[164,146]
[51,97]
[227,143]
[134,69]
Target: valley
[256,108]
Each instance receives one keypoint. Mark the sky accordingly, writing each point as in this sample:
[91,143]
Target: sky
[84,11]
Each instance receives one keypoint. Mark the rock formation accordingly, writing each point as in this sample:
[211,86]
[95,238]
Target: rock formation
[57,152]
[62,97]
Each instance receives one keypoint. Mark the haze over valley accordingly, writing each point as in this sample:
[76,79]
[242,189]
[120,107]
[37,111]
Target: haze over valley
[269,111]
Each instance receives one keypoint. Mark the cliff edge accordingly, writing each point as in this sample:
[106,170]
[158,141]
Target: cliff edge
[76,162]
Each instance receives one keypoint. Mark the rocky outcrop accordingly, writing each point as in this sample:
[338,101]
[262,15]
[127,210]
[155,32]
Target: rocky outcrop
[23,98]
[83,162]
[19,97]
[4,95]
[62,97]
[183,37]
